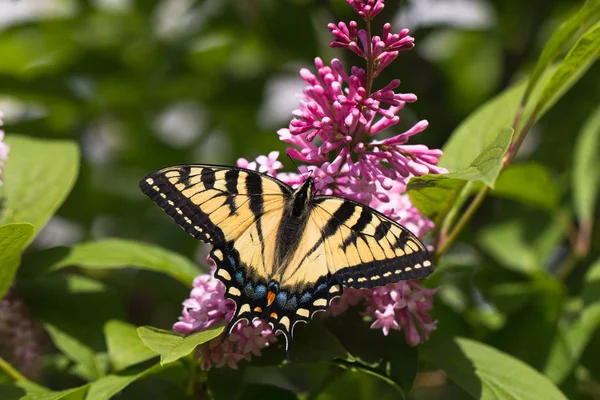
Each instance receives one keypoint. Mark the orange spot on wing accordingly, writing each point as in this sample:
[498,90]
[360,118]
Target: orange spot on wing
[270,298]
[273,315]
[258,309]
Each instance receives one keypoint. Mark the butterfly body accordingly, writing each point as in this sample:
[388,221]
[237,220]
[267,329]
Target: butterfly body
[284,254]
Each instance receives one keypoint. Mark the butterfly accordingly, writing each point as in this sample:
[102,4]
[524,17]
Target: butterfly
[283,253]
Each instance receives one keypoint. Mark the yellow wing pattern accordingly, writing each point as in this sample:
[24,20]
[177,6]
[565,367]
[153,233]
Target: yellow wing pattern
[282,254]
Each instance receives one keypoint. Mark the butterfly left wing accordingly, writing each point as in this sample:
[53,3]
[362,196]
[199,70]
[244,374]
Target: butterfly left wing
[345,244]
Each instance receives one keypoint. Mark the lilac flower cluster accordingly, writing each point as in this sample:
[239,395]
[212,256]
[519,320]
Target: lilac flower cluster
[3,148]
[21,338]
[332,135]
[208,307]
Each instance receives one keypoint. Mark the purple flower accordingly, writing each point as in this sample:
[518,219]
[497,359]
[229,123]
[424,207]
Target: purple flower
[208,307]
[22,339]
[265,164]
[367,9]
[3,148]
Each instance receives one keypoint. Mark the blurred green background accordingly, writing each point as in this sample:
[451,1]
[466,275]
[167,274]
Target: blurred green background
[144,84]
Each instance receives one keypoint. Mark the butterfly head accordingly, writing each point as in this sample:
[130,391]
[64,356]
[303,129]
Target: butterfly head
[302,196]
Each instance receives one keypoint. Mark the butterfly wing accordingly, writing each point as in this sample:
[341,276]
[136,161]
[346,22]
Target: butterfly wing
[239,212]
[347,244]
[366,249]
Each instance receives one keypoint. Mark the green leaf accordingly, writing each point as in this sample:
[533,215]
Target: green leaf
[433,194]
[28,390]
[314,343]
[476,132]
[225,383]
[577,61]
[522,239]
[118,253]
[588,12]
[389,358]
[37,178]
[571,342]
[574,336]
[529,183]
[586,168]
[124,345]
[74,310]
[266,392]
[487,373]
[77,393]
[591,289]
[13,239]
[110,385]
[172,346]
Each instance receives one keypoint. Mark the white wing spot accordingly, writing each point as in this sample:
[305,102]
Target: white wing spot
[150,181]
[189,221]
[164,196]
[387,274]
[156,188]
[417,266]
[179,211]
[375,277]
[285,321]
[426,263]
[224,274]
[171,203]
[408,269]
[235,291]
[362,280]
[303,312]
[320,303]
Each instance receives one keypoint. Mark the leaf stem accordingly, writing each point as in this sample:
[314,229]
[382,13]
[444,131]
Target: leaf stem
[461,223]
[11,371]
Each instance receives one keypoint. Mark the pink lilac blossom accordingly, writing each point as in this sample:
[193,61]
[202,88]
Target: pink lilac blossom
[208,307]
[21,338]
[333,135]
[3,148]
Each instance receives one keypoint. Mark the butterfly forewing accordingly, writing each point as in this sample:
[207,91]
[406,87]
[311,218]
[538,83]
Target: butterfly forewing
[376,250]
[212,203]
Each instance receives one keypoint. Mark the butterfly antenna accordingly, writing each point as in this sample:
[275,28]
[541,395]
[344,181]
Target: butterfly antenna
[294,162]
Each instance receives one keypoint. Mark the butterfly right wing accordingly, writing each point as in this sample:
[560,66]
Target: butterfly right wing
[365,248]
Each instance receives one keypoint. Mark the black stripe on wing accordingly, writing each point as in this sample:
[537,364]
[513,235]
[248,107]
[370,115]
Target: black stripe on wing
[187,214]
[411,260]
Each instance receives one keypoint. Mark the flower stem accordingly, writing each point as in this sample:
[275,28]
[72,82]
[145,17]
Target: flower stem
[370,72]
[192,379]
[11,371]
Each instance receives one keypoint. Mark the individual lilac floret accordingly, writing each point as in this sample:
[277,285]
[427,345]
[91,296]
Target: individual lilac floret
[208,307]
[367,9]
[3,148]
[21,338]
[265,164]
